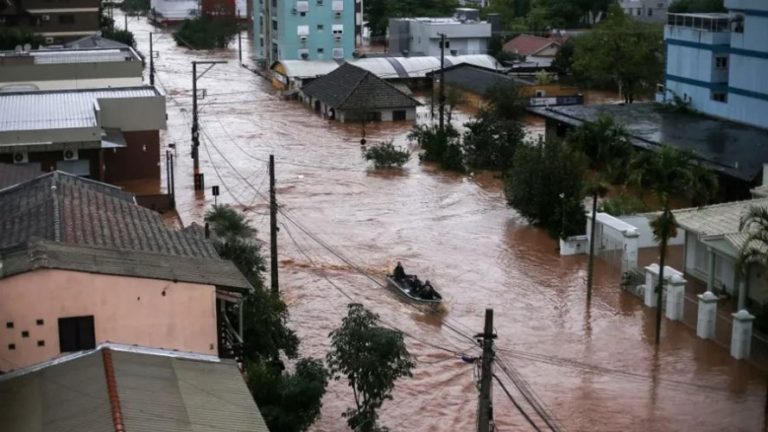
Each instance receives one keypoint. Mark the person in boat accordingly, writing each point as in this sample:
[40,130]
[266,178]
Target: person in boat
[428,291]
[415,285]
[399,273]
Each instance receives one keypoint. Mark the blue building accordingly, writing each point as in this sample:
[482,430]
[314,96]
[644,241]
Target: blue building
[306,29]
[719,62]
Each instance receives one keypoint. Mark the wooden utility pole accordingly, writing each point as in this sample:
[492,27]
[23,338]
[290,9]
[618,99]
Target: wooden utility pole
[239,38]
[151,61]
[442,81]
[591,262]
[273,224]
[485,408]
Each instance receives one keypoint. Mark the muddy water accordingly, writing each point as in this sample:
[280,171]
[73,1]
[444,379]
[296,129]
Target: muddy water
[595,369]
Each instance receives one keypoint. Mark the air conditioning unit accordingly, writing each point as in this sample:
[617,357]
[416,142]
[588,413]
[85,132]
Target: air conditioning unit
[303,39]
[48,40]
[20,157]
[45,17]
[70,154]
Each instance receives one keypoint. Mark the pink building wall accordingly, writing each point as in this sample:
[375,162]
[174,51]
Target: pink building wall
[125,309]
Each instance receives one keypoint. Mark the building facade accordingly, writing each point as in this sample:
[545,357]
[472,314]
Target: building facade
[56,22]
[306,29]
[719,62]
[464,34]
[646,10]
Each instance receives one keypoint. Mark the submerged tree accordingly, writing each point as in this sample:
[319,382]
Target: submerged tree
[372,358]
[386,155]
[441,146]
[667,173]
[606,145]
[545,185]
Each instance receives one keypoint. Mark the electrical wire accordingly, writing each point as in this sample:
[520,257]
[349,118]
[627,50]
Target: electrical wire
[517,405]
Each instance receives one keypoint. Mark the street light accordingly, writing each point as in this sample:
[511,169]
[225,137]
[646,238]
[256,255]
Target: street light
[197,176]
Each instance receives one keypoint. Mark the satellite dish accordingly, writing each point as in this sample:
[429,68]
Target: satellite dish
[27,47]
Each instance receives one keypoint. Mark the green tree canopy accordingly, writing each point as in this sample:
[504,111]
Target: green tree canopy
[372,358]
[545,185]
[560,14]
[621,52]
[289,402]
[205,32]
[378,12]
[11,37]
[386,155]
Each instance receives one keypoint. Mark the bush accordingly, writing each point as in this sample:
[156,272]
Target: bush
[443,147]
[386,155]
[11,37]
[622,204]
[490,142]
[545,185]
[206,33]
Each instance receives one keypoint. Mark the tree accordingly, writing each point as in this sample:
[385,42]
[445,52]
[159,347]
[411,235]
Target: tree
[441,146]
[453,98]
[606,145]
[559,14]
[621,52]
[205,32]
[754,252]
[11,37]
[386,155]
[288,402]
[667,173]
[697,6]
[545,185]
[563,61]
[136,7]
[372,358]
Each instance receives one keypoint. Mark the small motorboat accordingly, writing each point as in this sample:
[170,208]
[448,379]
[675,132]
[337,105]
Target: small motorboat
[407,288]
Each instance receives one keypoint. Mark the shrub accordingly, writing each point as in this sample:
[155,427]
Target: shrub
[443,147]
[622,204]
[205,33]
[386,155]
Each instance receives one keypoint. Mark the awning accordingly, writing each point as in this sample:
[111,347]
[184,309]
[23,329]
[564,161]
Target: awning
[113,138]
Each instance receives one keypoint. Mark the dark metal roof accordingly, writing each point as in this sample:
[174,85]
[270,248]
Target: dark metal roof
[733,149]
[350,87]
[158,391]
[62,221]
[475,79]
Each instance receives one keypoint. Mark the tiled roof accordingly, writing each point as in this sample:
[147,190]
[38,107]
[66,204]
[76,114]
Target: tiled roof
[61,221]
[526,45]
[12,174]
[716,220]
[158,391]
[63,109]
[350,88]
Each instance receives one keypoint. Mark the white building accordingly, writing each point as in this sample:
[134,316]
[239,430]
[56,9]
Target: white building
[464,34]
[719,62]
[646,10]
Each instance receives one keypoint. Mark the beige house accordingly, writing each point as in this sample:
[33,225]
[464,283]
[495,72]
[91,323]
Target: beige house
[82,264]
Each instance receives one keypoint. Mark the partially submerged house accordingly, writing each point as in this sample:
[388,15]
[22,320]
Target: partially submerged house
[82,264]
[534,51]
[713,243]
[350,93]
[128,388]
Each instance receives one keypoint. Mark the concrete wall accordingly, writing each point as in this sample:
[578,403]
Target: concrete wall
[140,159]
[133,114]
[125,310]
[288,23]
[642,223]
[469,38]
[73,75]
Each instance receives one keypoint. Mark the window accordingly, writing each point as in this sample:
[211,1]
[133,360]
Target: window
[39,322]
[721,62]
[41,343]
[650,12]
[25,334]
[9,324]
[76,334]
[11,347]
[320,50]
[719,96]
[66,19]
[398,115]
[320,27]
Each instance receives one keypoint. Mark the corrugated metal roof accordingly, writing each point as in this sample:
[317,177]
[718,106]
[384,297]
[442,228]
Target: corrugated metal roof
[59,109]
[386,67]
[157,393]
[82,56]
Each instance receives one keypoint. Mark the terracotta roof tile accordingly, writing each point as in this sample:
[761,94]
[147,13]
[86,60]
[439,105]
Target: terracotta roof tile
[526,45]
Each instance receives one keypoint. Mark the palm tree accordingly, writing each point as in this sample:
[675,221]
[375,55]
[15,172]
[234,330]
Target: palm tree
[229,224]
[755,247]
[606,145]
[667,173]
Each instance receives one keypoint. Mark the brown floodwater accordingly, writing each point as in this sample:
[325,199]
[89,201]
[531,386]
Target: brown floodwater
[594,369]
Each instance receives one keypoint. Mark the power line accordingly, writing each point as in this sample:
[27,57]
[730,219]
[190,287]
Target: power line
[517,405]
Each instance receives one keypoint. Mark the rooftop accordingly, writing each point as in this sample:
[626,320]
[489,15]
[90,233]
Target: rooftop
[147,390]
[12,174]
[350,87]
[67,56]
[718,219]
[475,79]
[526,45]
[733,149]
[61,109]
[66,222]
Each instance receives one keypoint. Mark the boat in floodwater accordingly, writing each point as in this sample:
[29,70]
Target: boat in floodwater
[407,289]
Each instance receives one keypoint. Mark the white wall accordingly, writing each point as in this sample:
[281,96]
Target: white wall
[642,223]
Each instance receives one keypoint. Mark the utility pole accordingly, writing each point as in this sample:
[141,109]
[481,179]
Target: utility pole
[485,407]
[197,176]
[151,62]
[239,38]
[273,225]
[442,81]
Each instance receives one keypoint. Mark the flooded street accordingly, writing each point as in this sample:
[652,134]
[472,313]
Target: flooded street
[595,370]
